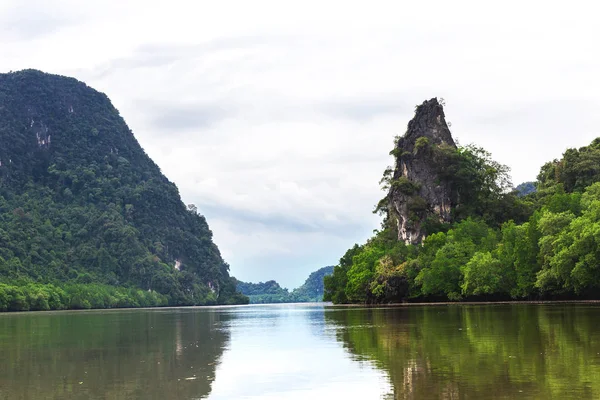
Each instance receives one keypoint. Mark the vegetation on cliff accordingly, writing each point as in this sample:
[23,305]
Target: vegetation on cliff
[83,209]
[496,244]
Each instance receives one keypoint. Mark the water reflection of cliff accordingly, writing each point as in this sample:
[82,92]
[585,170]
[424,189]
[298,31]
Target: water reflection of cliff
[481,352]
[153,354]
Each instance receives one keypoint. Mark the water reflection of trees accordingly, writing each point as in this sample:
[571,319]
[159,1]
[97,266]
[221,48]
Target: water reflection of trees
[455,352]
[158,354]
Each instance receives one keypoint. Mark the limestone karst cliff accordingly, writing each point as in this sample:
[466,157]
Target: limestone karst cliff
[418,189]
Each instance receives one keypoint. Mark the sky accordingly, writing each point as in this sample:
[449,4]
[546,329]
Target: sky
[276,118]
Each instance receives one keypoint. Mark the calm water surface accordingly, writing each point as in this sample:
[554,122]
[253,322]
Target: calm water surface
[304,351]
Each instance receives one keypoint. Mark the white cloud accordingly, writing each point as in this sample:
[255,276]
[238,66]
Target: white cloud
[276,118]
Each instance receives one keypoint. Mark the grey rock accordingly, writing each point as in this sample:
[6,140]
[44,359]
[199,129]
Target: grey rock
[417,190]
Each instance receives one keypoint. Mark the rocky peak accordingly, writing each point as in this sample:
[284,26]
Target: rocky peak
[430,122]
[417,190]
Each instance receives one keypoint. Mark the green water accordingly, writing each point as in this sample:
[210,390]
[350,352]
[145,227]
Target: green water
[304,351]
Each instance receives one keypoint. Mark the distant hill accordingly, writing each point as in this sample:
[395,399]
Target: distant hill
[312,289]
[525,188]
[271,292]
[87,219]
[264,292]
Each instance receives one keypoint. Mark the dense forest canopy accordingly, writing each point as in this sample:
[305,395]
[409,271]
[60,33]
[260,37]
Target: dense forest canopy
[270,292]
[87,219]
[541,240]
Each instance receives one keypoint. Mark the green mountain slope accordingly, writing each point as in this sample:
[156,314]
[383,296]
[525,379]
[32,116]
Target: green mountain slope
[271,292]
[312,289]
[82,204]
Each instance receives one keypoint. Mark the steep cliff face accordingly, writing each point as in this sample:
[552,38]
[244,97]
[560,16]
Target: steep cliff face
[418,190]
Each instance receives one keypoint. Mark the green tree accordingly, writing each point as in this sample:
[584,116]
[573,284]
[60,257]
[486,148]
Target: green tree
[483,275]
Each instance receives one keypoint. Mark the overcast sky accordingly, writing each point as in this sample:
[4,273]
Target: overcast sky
[276,117]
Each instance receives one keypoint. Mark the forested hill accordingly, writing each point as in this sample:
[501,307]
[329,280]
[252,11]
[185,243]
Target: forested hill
[312,288]
[86,217]
[453,229]
[271,292]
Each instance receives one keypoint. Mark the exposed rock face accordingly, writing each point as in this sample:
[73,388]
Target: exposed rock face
[417,190]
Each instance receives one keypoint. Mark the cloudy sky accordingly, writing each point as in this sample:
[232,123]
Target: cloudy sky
[276,117]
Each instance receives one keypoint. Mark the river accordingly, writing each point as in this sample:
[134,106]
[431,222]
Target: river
[304,351]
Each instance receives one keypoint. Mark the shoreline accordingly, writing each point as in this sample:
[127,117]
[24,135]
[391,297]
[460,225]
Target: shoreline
[467,303]
[324,304]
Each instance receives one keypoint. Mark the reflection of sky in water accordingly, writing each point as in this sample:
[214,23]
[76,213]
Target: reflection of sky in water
[285,351]
[303,351]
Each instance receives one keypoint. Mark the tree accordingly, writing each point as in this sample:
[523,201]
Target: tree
[483,275]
